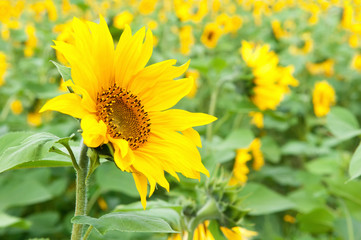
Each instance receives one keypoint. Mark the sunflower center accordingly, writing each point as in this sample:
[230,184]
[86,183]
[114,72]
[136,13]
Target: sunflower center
[124,115]
[210,35]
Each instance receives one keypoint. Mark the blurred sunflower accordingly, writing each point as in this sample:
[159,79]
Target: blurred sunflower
[121,102]
[271,81]
[240,168]
[3,67]
[323,97]
[203,233]
[211,34]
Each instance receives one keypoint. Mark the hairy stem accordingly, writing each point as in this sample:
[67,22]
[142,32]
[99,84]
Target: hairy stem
[81,191]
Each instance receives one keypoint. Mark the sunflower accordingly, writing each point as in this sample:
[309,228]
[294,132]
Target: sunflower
[122,102]
[323,97]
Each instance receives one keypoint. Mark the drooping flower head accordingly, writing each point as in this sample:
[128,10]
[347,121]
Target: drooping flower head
[122,102]
[271,81]
[240,168]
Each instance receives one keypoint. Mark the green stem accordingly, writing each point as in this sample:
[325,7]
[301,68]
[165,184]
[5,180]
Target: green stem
[208,211]
[211,111]
[213,102]
[72,157]
[81,191]
[87,233]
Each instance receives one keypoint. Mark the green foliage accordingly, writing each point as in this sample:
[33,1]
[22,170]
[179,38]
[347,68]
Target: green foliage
[126,222]
[28,150]
[355,164]
[261,200]
[65,72]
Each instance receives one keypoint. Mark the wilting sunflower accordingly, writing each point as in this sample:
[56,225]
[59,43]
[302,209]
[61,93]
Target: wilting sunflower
[121,101]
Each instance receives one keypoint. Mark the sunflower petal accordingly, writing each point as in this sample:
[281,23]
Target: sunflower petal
[86,100]
[141,184]
[148,77]
[69,103]
[123,162]
[105,51]
[193,135]
[152,184]
[94,132]
[82,72]
[121,145]
[150,167]
[180,120]
[175,153]
[130,56]
[166,94]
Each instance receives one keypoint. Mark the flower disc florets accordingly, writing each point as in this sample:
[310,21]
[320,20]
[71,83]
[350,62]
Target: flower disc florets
[124,115]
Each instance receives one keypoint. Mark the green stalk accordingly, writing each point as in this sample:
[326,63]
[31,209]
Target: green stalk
[207,212]
[87,233]
[211,111]
[81,191]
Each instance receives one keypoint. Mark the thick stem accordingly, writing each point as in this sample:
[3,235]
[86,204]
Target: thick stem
[81,191]
[207,212]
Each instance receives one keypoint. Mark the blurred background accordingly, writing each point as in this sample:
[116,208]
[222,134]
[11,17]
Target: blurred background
[282,77]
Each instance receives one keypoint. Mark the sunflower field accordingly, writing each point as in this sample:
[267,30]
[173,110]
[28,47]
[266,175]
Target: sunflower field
[180,119]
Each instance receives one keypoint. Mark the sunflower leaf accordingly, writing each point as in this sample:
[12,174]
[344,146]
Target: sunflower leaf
[342,123]
[29,150]
[65,72]
[355,164]
[262,200]
[125,222]
[240,138]
[11,221]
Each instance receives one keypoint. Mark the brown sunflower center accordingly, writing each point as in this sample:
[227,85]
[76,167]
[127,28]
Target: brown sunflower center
[210,35]
[124,115]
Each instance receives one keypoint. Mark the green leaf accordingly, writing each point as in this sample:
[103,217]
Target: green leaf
[283,175]
[218,64]
[125,222]
[341,122]
[270,149]
[160,209]
[27,149]
[12,139]
[44,223]
[305,203]
[9,221]
[65,72]
[110,178]
[317,221]
[261,200]
[349,190]
[49,160]
[20,193]
[246,106]
[137,206]
[355,164]
[324,166]
[240,138]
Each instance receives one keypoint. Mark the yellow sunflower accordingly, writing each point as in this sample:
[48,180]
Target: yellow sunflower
[121,101]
